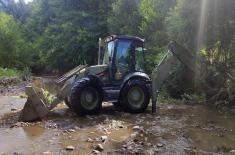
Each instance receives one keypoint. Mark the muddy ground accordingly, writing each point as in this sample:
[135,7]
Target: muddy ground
[174,129]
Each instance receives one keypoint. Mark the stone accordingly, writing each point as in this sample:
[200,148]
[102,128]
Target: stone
[76,127]
[71,130]
[150,152]
[99,147]
[90,140]
[95,152]
[133,135]
[18,124]
[145,139]
[70,148]
[149,144]
[14,109]
[124,146]
[47,153]
[159,145]
[120,126]
[103,138]
[136,128]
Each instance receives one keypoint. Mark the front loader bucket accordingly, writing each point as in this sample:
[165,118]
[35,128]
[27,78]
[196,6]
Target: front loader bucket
[34,107]
[39,101]
[37,106]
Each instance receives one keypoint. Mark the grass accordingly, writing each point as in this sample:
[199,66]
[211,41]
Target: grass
[164,98]
[5,72]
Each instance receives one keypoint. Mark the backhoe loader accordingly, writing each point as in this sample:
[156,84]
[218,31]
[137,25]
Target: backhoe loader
[119,78]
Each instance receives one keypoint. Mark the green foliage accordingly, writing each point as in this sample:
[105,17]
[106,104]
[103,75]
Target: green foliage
[5,72]
[208,24]
[182,23]
[144,18]
[67,32]
[125,18]
[47,97]
[219,81]
[14,51]
[25,74]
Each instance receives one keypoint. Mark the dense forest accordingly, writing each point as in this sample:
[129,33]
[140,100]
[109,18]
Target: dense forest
[57,35]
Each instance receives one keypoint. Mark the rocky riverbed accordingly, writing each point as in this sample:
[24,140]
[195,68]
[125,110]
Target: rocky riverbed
[174,129]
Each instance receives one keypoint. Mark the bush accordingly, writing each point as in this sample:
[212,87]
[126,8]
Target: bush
[5,72]
[25,74]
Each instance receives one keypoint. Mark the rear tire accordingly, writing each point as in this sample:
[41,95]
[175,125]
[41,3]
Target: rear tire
[86,96]
[135,96]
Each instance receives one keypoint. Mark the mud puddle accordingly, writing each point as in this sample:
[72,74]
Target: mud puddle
[175,129]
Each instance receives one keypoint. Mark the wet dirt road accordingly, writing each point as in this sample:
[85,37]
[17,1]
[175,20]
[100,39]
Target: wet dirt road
[175,129]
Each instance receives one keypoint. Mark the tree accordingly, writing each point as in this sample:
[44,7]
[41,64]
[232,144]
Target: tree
[17,9]
[125,18]
[68,31]
[13,49]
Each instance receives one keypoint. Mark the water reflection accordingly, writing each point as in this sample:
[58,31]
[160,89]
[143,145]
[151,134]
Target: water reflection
[33,132]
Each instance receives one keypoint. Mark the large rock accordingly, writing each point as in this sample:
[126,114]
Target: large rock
[99,147]
[103,138]
[70,148]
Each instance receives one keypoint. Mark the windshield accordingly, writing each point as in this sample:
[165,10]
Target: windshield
[108,52]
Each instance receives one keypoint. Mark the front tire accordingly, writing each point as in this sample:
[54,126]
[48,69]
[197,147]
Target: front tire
[86,96]
[135,96]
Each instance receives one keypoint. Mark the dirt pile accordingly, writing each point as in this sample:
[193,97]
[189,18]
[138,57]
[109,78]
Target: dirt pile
[12,86]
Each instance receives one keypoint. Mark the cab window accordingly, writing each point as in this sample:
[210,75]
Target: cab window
[123,58]
[108,52]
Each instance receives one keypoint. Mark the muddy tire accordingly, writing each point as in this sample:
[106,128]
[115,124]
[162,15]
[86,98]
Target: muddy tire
[135,96]
[86,96]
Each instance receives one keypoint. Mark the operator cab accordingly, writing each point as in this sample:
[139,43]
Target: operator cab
[123,55]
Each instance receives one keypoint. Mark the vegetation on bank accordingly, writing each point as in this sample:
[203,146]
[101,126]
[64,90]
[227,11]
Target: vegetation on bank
[5,72]
[20,74]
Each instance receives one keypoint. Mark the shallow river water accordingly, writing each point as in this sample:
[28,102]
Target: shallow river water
[174,129]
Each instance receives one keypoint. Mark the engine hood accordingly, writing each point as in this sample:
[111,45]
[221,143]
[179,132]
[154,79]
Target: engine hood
[95,70]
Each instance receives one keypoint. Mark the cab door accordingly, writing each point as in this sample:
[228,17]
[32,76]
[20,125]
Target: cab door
[123,60]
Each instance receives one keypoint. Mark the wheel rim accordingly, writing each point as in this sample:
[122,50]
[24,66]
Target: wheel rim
[135,97]
[89,98]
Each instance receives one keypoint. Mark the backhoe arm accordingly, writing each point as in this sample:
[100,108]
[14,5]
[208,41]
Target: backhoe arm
[163,69]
